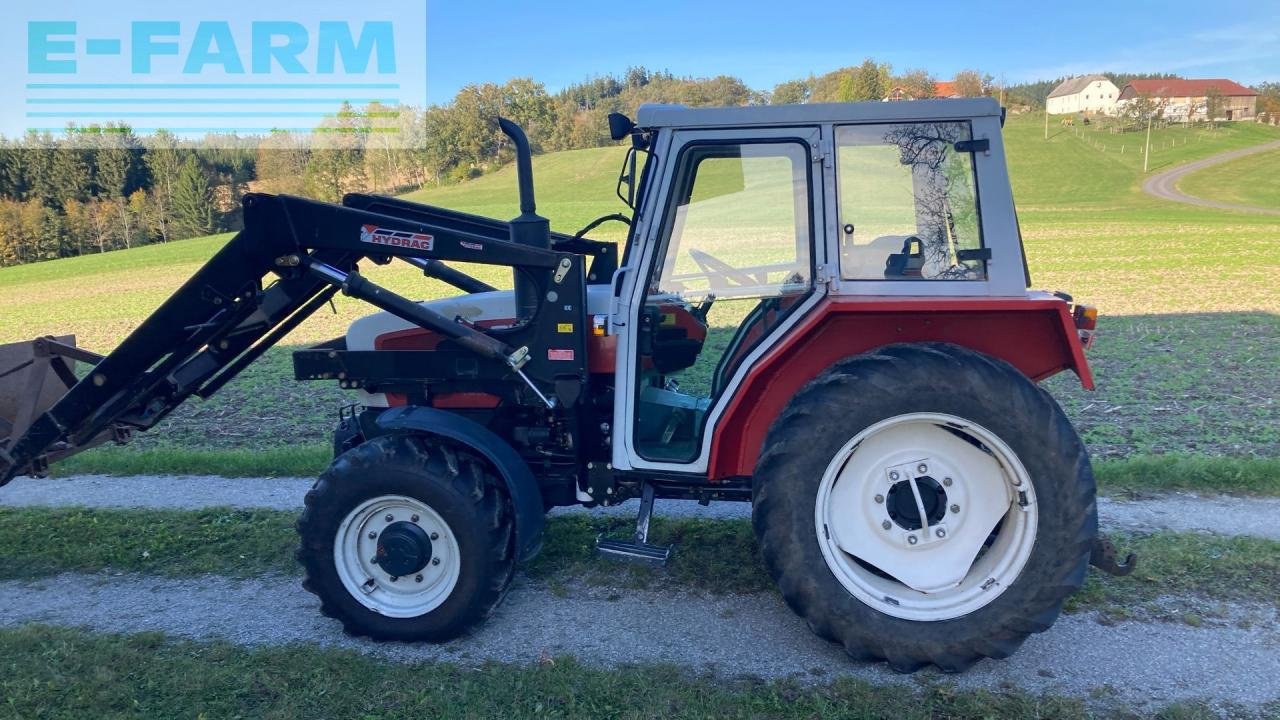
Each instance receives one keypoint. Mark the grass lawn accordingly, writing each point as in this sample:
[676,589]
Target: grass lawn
[1187,358]
[1251,180]
[61,673]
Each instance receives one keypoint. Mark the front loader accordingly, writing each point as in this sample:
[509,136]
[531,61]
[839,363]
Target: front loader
[812,312]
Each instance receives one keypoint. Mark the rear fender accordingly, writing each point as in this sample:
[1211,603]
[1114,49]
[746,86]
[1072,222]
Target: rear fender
[1034,333]
[522,487]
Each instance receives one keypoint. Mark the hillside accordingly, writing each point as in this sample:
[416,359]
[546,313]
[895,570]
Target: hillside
[1251,180]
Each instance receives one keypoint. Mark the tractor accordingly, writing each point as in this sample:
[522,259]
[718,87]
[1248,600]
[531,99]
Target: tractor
[822,310]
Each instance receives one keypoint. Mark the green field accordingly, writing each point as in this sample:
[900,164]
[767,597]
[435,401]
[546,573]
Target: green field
[1186,362]
[1252,180]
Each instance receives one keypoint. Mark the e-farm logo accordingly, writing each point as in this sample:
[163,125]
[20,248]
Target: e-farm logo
[274,46]
[234,68]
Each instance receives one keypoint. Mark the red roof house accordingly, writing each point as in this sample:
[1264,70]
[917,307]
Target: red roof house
[945,89]
[1179,88]
[1187,99]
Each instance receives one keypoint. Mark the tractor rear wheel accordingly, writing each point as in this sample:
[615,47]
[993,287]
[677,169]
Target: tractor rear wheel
[925,503]
[407,538]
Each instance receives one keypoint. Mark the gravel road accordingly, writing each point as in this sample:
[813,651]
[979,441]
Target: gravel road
[1155,663]
[1232,657]
[1164,185]
[1183,512]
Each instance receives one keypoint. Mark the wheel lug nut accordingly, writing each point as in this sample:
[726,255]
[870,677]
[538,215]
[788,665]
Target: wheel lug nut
[941,533]
[893,475]
[879,498]
[435,536]
[389,517]
[435,561]
[419,578]
[922,468]
[946,482]
[912,539]
[372,534]
[394,578]
[955,508]
[414,518]
[886,524]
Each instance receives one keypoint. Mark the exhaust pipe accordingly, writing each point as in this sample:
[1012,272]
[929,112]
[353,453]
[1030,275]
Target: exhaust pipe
[527,228]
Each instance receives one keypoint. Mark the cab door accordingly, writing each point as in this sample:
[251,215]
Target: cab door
[728,262]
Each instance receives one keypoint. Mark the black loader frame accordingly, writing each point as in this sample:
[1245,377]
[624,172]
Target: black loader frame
[292,257]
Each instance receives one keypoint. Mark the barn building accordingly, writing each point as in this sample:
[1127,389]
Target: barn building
[1188,100]
[1085,94]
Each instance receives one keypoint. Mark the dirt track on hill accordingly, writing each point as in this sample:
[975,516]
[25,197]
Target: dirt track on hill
[1164,184]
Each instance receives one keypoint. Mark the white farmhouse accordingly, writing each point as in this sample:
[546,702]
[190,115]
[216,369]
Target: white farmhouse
[1084,94]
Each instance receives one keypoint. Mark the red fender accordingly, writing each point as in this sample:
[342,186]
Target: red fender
[1035,334]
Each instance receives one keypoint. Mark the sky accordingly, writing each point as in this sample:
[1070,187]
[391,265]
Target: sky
[766,42]
[442,45]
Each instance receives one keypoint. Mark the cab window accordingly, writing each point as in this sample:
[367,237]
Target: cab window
[908,203]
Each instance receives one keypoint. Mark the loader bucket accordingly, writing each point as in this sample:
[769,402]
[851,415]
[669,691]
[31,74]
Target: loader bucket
[33,376]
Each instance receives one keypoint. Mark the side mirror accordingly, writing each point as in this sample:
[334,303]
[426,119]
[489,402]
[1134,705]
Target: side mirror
[620,125]
[627,179]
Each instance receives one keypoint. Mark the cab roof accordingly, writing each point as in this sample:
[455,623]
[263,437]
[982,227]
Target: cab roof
[681,116]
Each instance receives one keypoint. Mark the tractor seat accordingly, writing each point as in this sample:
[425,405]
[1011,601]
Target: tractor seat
[867,261]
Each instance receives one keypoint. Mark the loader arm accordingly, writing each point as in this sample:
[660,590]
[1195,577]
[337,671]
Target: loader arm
[293,255]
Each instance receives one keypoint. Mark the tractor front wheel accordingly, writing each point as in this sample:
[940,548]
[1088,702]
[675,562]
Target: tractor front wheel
[407,538]
[925,504]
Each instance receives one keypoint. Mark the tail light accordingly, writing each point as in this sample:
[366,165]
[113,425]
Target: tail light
[1086,320]
[1086,317]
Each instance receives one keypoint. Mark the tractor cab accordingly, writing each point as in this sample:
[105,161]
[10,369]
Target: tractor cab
[747,219]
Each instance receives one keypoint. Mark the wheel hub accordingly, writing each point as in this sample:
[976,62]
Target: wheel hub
[907,511]
[397,556]
[902,507]
[403,548]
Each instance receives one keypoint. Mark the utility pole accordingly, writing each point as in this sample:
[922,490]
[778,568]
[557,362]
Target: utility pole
[1146,154]
[1046,118]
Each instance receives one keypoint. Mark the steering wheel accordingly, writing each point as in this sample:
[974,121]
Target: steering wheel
[717,268]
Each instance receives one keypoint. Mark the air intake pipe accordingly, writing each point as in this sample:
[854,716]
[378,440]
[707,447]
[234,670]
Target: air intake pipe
[527,228]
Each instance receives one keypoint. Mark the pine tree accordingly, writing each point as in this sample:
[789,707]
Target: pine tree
[70,174]
[163,159]
[192,201]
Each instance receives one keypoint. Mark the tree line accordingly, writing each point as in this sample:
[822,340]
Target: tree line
[99,188]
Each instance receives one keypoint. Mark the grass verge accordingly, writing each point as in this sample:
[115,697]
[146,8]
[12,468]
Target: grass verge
[293,461]
[716,556]
[61,673]
[1194,473]
[1197,473]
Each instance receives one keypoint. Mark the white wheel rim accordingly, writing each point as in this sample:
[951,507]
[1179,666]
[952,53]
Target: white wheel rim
[355,548]
[949,569]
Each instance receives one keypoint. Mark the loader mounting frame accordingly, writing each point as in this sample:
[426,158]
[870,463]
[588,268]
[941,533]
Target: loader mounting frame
[293,255]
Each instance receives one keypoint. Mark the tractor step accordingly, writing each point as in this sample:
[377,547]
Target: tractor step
[638,548]
[631,550]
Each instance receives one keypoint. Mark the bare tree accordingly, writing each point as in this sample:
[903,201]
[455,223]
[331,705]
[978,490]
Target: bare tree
[1213,104]
[973,83]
